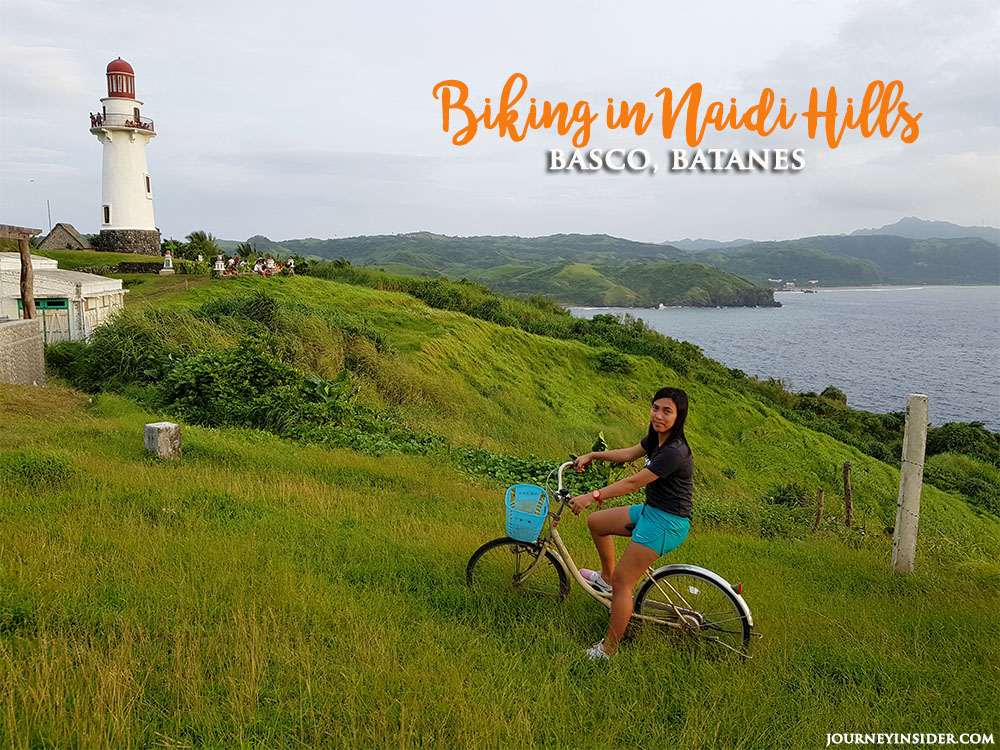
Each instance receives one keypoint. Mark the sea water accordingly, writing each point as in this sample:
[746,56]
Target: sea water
[876,344]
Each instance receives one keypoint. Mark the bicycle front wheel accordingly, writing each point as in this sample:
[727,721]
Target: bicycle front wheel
[691,602]
[506,564]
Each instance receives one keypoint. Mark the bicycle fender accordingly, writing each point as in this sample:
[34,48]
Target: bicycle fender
[714,577]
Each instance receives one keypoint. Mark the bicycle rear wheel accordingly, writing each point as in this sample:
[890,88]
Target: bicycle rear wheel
[694,603]
[505,564]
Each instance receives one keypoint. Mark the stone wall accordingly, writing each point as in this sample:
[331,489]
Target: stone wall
[141,241]
[22,353]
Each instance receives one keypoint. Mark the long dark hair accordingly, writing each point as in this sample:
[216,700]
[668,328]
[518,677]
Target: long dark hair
[680,400]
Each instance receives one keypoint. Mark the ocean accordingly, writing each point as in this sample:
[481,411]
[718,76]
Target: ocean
[876,344]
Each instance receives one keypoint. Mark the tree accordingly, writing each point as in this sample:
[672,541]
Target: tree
[200,242]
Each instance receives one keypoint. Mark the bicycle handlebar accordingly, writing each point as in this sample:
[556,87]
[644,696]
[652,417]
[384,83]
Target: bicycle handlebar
[563,466]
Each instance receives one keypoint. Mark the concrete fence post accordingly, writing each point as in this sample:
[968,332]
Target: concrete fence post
[911,474]
[163,439]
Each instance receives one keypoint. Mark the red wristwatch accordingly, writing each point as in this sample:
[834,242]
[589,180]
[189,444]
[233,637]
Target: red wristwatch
[597,497]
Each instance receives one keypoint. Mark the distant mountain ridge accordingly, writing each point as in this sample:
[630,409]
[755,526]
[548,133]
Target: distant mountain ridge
[846,260]
[703,244]
[910,227]
[863,258]
[921,229]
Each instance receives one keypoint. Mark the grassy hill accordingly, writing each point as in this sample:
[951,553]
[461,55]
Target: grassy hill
[446,254]
[797,263]
[279,587]
[692,284]
[568,283]
[645,284]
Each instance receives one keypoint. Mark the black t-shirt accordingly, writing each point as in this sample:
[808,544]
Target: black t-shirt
[674,466]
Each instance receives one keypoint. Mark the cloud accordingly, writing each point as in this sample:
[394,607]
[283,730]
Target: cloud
[268,124]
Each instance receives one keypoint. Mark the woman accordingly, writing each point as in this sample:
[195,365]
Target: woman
[657,527]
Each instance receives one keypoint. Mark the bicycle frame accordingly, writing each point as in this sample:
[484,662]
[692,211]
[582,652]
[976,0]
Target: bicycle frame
[680,620]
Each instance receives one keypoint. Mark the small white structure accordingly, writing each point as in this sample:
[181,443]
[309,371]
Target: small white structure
[163,439]
[71,304]
[126,189]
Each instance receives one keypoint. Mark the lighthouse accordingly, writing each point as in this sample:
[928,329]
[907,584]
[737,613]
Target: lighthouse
[127,224]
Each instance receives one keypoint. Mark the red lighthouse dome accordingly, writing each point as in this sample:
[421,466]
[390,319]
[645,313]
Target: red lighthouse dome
[121,80]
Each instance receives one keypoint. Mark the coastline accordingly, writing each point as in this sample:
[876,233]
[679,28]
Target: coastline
[838,340]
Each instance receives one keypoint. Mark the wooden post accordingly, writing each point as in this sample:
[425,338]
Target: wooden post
[904,539]
[819,509]
[27,278]
[848,502]
[21,234]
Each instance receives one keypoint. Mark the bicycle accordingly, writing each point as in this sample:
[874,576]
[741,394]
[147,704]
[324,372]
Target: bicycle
[691,600]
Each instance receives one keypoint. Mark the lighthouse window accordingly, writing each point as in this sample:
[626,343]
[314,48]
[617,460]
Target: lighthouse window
[107,214]
[149,189]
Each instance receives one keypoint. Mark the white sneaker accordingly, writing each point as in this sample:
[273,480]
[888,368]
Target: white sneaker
[596,580]
[596,652]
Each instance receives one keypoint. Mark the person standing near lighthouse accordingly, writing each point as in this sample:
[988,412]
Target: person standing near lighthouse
[126,188]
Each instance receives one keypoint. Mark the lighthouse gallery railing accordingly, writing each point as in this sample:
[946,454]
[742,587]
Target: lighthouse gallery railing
[116,120]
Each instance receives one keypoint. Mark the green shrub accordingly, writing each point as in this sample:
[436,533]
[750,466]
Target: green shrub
[66,358]
[975,479]
[614,362]
[970,438]
[834,394]
[132,349]
[244,386]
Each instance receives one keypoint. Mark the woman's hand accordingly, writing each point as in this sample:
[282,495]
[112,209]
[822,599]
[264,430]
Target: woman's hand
[580,502]
[582,462]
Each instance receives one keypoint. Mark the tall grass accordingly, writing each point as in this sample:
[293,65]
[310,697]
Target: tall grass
[266,593]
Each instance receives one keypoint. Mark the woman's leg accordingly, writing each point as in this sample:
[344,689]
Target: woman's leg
[629,570]
[604,524]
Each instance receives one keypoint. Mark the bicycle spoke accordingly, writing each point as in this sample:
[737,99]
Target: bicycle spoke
[527,569]
[703,606]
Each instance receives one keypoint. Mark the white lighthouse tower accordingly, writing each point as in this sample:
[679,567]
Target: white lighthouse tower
[126,189]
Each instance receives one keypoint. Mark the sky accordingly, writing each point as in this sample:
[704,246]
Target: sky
[316,119]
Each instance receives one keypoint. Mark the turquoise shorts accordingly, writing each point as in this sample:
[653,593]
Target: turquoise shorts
[657,529]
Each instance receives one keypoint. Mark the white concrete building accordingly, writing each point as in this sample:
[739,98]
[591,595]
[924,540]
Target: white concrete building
[127,223]
[71,304]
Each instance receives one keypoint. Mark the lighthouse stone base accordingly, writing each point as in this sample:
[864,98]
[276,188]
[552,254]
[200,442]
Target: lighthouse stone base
[141,241]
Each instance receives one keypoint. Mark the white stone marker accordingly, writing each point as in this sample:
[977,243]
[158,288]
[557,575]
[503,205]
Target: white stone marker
[911,475]
[163,439]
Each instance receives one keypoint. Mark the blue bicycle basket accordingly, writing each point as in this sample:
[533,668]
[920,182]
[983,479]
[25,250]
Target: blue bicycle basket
[527,507]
